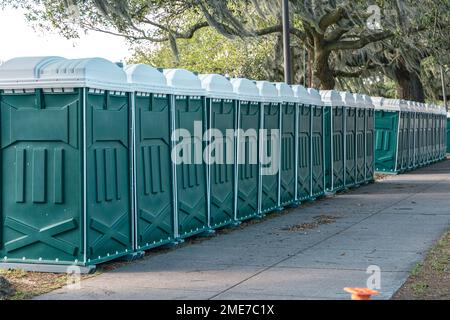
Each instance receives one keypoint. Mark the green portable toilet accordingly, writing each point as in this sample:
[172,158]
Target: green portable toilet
[387,119]
[442,118]
[416,126]
[221,107]
[442,121]
[288,146]
[269,143]
[435,134]
[432,133]
[66,192]
[189,117]
[443,132]
[304,138]
[403,141]
[369,139]
[429,134]
[423,138]
[334,139]
[360,145]
[247,149]
[419,134]
[411,124]
[350,112]
[444,128]
[152,174]
[317,145]
[448,133]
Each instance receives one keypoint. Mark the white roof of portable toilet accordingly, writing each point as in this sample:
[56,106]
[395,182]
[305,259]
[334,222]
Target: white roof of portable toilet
[391,105]
[55,72]
[419,107]
[217,86]
[314,97]
[368,101]
[422,107]
[331,98]
[359,100]
[285,92]
[412,106]
[183,82]
[378,102]
[24,72]
[145,78]
[245,89]
[267,91]
[404,106]
[301,94]
[95,73]
[448,114]
[348,99]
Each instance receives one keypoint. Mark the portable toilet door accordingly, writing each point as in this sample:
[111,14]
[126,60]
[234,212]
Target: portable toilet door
[247,149]
[432,137]
[387,117]
[288,146]
[369,139]
[269,146]
[152,164]
[411,124]
[190,176]
[448,133]
[66,195]
[442,132]
[221,106]
[350,141]
[416,132]
[403,146]
[360,145]
[304,138]
[334,139]
[429,135]
[317,145]
[423,134]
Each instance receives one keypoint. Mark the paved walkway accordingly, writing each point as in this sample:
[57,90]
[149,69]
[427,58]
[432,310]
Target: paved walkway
[390,224]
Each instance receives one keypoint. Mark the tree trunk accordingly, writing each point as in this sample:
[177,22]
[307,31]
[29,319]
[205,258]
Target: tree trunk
[322,73]
[409,85]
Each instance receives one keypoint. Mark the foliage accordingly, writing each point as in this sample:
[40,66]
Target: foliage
[346,45]
[210,52]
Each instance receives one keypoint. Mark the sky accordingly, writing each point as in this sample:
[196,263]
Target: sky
[18,39]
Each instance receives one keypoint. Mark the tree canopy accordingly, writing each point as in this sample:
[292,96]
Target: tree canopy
[347,42]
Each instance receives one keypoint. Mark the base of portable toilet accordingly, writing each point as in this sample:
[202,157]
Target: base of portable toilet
[48,268]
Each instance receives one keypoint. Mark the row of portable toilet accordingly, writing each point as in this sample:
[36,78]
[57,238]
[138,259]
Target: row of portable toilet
[99,162]
[409,135]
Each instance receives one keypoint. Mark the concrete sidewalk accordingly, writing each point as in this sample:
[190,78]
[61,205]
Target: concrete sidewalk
[390,224]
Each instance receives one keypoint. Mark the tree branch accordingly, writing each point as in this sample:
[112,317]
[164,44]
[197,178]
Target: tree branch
[331,18]
[360,43]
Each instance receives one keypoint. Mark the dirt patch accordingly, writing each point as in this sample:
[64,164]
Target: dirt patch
[430,279]
[6,289]
[318,221]
[380,176]
[26,285]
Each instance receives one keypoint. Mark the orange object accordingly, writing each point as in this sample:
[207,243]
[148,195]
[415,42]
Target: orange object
[361,293]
